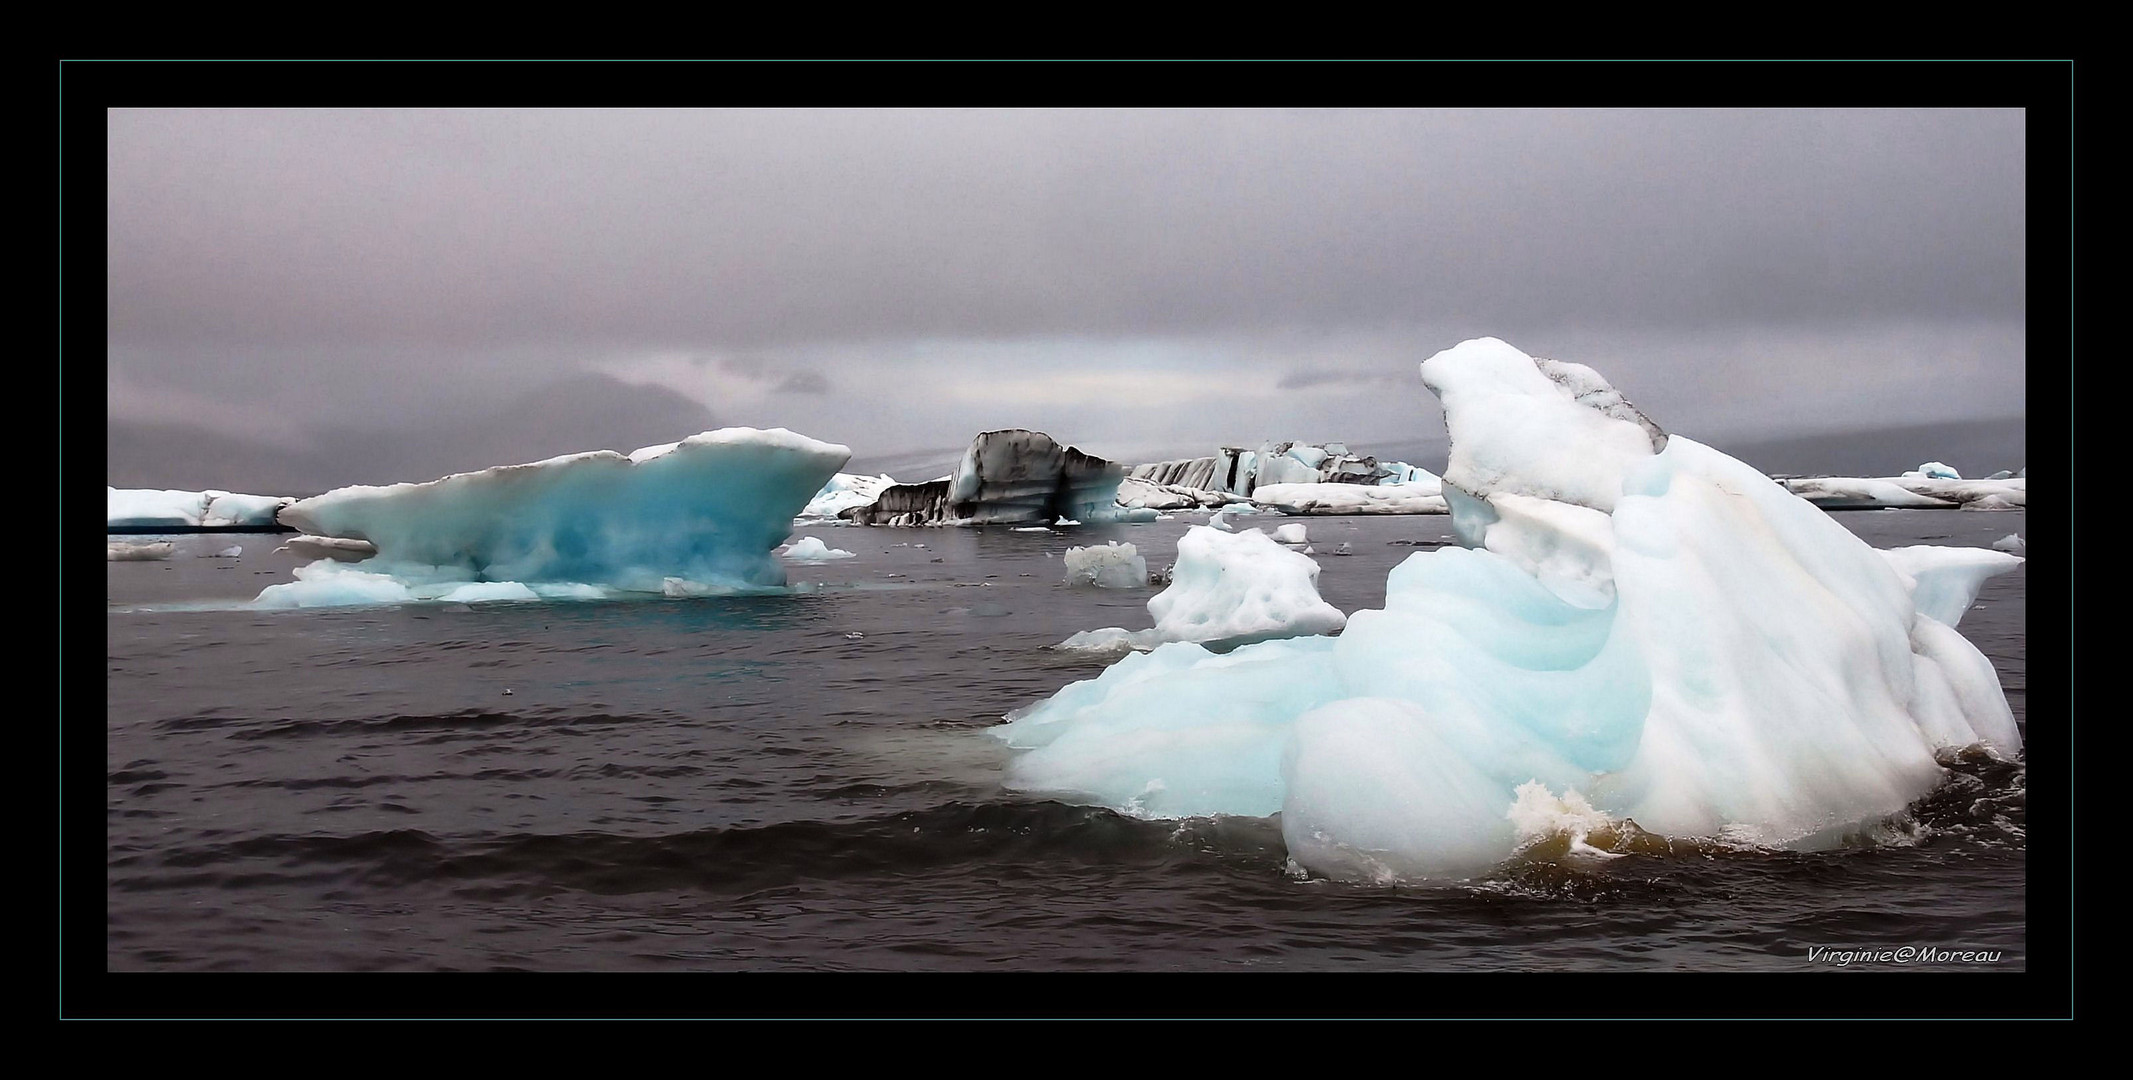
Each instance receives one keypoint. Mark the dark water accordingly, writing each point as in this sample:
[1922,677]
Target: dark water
[805,782]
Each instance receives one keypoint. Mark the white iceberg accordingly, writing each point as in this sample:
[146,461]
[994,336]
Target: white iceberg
[842,492]
[812,549]
[338,548]
[1910,491]
[1114,565]
[1227,589]
[1638,630]
[123,551]
[1421,497]
[141,508]
[708,511]
[1292,533]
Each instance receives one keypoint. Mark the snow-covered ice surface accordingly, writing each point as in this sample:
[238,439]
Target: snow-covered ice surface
[700,515]
[141,508]
[1637,630]
[1227,589]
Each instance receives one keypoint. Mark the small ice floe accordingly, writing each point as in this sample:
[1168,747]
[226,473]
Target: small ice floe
[812,549]
[122,551]
[1066,521]
[1292,533]
[1031,528]
[2011,543]
[337,548]
[230,552]
[855,635]
[1343,549]
[1111,566]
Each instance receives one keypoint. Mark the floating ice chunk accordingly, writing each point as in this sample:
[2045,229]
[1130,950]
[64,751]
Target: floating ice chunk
[331,584]
[1419,498]
[1934,470]
[1945,580]
[1229,589]
[1910,490]
[231,552]
[842,492]
[1112,566]
[338,548]
[1292,533]
[1066,521]
[707,510]
[1008,476]
[1849,493]
[124,551]
[1665,636]
[1031,528]
[812,549]
[139,508]
[2011,543]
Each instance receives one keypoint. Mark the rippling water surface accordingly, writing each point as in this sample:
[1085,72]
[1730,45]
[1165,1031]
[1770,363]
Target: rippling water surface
[805,782]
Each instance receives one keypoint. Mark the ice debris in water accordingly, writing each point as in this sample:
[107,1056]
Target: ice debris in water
[1227,589]
[811,549]
[1114,565]
[1633,619]
[127,551]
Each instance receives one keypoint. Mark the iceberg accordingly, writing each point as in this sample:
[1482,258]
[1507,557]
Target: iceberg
[1421,497]
[139,509]
[1637,631]
[1114,565]
[340,549]
[1914,490]
[812,549]
[1233,472]
[844,491]
[1227,589]
[122,551]
[1012,476]
[707,511]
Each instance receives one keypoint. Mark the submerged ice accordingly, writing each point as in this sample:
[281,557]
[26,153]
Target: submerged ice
[1636,627]
[704,514]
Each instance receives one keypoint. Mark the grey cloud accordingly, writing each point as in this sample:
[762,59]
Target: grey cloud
[1305,379]
[804,382]
[746,228]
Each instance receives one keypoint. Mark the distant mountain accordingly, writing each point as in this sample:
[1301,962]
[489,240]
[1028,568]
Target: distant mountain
[585,412]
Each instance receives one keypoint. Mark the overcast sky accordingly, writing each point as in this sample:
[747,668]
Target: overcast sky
[1134,282]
